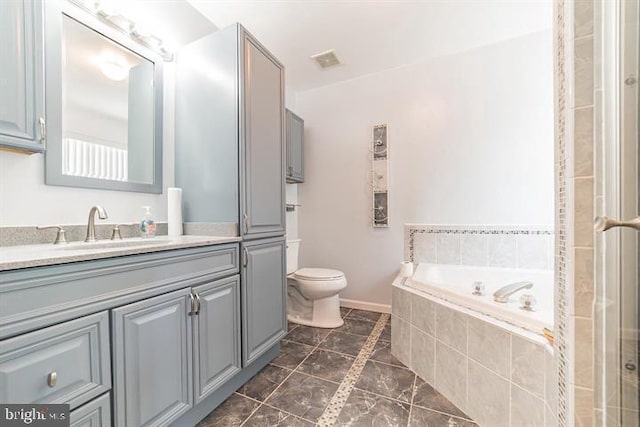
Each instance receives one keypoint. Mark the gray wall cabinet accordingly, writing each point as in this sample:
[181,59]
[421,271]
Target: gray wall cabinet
[230,148]
[263,296]
[295,148]
[22,125]
[152,360]
[216,335]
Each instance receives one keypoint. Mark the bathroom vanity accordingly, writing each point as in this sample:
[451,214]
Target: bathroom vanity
[149,335]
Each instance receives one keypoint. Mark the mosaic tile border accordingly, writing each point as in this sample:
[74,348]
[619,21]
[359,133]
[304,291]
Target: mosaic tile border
[413,229]
[561,214]
[339,399]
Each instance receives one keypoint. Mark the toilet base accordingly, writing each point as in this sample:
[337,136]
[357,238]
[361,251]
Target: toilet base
[326,314]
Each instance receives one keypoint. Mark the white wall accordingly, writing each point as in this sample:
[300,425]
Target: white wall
[471,142]
[26,200]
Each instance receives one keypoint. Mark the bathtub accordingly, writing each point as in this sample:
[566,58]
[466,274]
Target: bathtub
[454,283]
[490,359]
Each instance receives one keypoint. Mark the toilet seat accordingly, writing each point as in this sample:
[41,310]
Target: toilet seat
[318,274]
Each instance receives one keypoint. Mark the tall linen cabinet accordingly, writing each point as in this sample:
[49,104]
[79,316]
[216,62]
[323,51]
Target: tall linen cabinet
[230,163]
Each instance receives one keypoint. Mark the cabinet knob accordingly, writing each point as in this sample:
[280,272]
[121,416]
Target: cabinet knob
[52,379]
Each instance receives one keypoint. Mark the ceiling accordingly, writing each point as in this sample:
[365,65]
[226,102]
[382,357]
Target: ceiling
[374,35]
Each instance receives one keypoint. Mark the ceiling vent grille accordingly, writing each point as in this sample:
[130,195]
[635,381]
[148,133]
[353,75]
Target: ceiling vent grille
[326,59]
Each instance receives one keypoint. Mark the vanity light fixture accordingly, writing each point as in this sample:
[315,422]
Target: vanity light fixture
[109,12]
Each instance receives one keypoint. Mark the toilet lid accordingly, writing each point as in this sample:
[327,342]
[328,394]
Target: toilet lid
[318,274]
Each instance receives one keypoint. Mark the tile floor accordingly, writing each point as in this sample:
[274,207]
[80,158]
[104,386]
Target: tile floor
[296,387]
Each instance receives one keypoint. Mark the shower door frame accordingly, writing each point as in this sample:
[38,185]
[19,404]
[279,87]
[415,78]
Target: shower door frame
[617,267]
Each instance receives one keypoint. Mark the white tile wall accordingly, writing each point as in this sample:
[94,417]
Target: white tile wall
[529,247]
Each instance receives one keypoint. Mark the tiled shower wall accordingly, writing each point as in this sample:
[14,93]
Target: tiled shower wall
[577,58]
[503,246]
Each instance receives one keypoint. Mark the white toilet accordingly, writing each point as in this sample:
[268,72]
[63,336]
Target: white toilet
[312,292]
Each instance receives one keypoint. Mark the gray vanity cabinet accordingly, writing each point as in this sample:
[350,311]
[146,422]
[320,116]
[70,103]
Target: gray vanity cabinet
[22,125]
[216,335]
[230,148]
[152,360]
[262,199]
[96,413]
[263,296]
[295,148]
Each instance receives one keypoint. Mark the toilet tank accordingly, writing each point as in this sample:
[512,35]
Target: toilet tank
[293,246]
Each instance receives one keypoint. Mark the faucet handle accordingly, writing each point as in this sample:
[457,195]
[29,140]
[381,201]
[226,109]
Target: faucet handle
[60,236]
[478,288]
[115,233]
[528,302]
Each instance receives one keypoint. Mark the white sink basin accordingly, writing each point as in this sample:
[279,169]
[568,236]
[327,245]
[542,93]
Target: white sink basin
[111,244]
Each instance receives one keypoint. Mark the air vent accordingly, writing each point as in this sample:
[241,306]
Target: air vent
[326,59]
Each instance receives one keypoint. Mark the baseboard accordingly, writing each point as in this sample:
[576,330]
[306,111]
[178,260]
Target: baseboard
[363,305]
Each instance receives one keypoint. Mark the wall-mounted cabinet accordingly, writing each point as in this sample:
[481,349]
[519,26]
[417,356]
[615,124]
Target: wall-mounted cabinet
[22,118]
[230,149]
[295,148]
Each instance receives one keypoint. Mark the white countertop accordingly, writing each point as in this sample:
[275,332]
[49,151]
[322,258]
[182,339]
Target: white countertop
[16,257]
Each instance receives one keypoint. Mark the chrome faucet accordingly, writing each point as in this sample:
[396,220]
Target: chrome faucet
[91,225]
[503,294]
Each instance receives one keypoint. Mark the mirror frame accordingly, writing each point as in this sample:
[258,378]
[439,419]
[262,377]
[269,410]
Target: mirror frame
[54,12]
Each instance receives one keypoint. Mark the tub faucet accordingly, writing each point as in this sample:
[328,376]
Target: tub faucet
[503,294]
[91,225]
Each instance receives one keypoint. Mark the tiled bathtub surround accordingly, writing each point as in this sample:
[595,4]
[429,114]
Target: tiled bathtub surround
[529,247]
[498,375]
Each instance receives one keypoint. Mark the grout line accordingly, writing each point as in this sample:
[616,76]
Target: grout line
[339,399]
[413,395]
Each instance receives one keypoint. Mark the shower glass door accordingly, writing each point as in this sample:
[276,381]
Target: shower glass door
[617,337]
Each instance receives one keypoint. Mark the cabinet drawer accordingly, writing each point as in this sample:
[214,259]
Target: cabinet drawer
[96,413]
[65,363]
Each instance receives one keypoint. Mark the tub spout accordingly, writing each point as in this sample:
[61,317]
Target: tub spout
[503,294]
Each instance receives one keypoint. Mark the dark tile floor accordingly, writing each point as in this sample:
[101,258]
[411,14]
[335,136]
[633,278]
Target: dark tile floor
[296,387]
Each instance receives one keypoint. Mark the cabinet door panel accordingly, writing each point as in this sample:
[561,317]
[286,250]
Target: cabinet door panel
[263,297]
[295,148]
[96,413]
[21,75]
[264,143]
[152,360]
[217,335]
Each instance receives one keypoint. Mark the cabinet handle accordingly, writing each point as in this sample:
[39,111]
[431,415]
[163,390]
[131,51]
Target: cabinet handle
[246,223]
[198,304]
[43,130]
[52,379]
[245,257]
[193,305]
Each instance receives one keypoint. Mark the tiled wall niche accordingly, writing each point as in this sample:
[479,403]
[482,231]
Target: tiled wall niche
[529,247]
[496,375]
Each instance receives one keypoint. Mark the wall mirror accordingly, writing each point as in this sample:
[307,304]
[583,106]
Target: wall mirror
[104,105]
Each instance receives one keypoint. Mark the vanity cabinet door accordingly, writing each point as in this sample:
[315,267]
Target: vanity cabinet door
[216,335]
[263,148]
[21,76]
[152,360]
[295,148]
[264,320]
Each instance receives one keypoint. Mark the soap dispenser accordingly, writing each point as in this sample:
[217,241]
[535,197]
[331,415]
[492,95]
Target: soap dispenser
[147,225]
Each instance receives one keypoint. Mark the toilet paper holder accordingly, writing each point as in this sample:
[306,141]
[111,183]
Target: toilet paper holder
[290,207]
